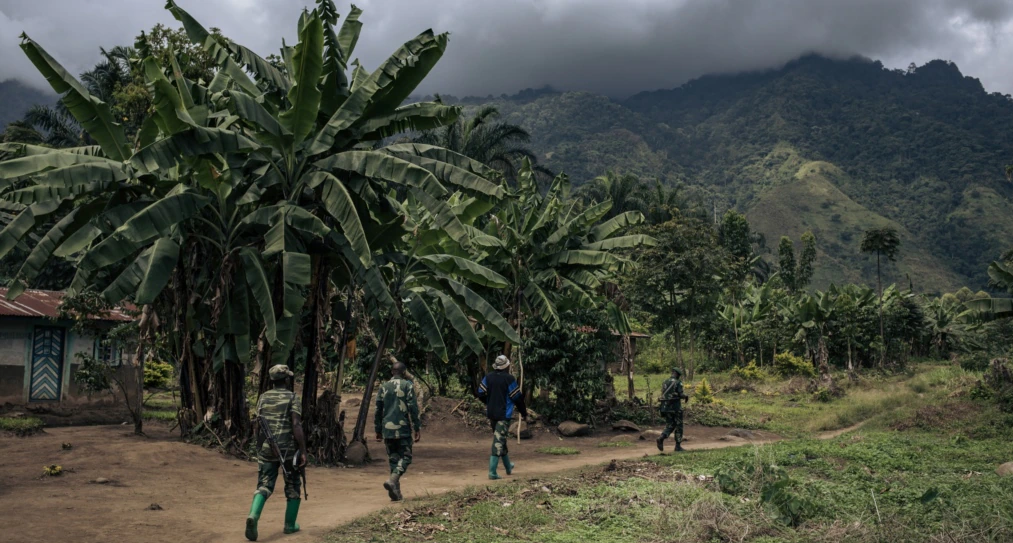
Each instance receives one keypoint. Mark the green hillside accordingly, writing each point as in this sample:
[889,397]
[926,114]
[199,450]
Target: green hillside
[924,150]
[812,201]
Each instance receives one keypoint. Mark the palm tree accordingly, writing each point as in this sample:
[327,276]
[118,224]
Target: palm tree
[883,242]
[58,127]
[481,137]
[625,191]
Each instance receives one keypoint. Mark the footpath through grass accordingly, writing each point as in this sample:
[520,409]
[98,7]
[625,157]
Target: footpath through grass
[922,468]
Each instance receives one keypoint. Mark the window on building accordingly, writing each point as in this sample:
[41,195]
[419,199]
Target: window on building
[107,351]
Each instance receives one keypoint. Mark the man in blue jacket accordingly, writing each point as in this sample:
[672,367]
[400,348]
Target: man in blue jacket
[501,394]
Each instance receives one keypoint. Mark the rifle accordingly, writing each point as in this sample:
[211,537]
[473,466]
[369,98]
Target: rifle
[680,399]
[286,467]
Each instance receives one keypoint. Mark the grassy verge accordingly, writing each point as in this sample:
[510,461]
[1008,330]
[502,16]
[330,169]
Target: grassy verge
[163,416]
[21,426]
[786,407]
[557,451]
[160,407]
[922,468]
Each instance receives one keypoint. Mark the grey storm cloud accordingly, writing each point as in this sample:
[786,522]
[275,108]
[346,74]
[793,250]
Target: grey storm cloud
[613,47]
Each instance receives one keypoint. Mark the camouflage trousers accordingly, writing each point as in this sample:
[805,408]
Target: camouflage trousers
[267,475]
[399,454]
[500,436]
[673,423]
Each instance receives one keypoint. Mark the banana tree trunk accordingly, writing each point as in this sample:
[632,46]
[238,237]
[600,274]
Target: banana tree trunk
[339,372]
[360,424]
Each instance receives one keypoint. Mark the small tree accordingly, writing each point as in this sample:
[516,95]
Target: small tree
[570,360]
[882,242]
[796,275]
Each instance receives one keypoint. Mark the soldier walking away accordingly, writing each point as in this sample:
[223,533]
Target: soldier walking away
[397,414]
[672,396]
[279,423]
[501,393]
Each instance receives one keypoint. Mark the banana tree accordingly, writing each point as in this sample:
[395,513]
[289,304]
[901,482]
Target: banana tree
[552,251]
[430,279]
[251,176]
[106,206]
[815,313]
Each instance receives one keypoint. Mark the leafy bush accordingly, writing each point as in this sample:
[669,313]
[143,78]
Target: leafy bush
[21,426]
[751,372]
[157,374]
[713,415]
[703,394]
[772,482]
[634,411]
[823,394]
[93,374]
[788,364]
[997,384]
[974,361]
[569,361]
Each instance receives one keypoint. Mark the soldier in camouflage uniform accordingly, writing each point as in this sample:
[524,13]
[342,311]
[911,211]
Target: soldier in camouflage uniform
[501,393]
[282,411]
[397,414]
[671,407]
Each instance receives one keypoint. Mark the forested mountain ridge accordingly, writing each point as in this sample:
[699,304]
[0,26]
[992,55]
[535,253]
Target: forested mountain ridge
[16,98]
[923,150]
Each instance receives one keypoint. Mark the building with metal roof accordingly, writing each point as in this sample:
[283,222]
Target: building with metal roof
[41,353]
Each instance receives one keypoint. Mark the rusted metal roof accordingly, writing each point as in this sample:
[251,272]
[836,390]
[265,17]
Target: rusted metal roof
[45,303]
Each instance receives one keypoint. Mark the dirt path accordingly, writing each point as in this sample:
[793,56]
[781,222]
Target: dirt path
[204,496]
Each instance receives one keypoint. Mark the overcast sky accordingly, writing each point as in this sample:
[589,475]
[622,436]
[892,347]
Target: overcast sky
[616,47]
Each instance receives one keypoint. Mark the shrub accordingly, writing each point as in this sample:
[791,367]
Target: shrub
[634,411]
[823,394]
[776,489]
[93,374]
[713,415]
[565,360]
[157,375]
[976,361]
[751,372]
[21,426]
[997,384]
[703,394]
[788,364]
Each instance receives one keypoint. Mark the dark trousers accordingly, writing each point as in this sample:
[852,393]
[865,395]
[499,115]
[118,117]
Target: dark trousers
[673,423]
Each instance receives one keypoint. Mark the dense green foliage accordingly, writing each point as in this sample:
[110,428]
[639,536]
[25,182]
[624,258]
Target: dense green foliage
[570,360]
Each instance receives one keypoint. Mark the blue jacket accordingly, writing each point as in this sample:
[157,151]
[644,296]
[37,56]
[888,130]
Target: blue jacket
[501,394]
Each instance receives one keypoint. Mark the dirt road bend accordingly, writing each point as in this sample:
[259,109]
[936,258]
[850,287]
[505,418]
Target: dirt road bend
[158,489]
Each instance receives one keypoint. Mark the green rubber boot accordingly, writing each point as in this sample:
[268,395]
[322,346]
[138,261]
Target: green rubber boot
[393,486]
[508,464]
[291,512]
[251,520]
[493,464]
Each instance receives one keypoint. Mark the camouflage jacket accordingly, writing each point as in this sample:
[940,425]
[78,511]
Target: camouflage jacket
[671,395]
[396,407]
[274,406]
